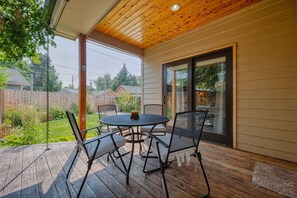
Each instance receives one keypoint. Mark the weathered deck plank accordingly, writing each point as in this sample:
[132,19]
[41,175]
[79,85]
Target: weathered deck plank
[4,167]
[30,172]
[97,186]
[14,174]
[75,178]
[118,189]
[45,181]
[29,178]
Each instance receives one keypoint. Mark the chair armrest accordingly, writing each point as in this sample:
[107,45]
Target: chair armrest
[99,137]
[159,140]
[96,127]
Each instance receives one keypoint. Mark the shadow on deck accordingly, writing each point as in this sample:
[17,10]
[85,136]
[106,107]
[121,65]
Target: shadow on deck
[29,171]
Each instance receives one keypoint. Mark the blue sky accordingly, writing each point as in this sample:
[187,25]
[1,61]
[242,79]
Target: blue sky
[100,60]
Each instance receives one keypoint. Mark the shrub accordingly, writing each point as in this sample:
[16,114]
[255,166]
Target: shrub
[30,118]
[127,103]
[12,117]
[25,120]
[74,108]
[57,113]
[89,110]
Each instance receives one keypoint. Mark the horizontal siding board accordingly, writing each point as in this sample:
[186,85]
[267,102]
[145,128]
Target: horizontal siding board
[156,85]
[246,64]
[276,83]
[266,81]
[152,90]
[275,134]
[262,73]
[268,124]
[289,147]
[269,104]
[267,93]
[268,114]
[268,152]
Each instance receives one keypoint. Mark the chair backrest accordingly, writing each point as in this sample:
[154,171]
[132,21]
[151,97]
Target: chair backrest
[153,109]
[74,127]
[108,109]
[187,129]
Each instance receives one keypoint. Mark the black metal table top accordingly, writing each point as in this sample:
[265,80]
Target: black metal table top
[125,120]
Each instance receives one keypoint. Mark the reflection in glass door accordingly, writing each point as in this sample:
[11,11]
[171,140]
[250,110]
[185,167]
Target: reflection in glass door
[176,94]
[203,82]
[213,93]
[210,80]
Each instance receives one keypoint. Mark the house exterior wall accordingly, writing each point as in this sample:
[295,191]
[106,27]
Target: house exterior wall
[15,87]
[120,90]
[266,73]
[110,93]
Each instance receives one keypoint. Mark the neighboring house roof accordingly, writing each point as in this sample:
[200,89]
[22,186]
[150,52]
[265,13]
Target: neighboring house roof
[16,78]
[66,90]
[101,92]
[134,90]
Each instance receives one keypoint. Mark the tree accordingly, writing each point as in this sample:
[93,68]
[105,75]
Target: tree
[124,78]
[39,75]
[100,82]
[24,27]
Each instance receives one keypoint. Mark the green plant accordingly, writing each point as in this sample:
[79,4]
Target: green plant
[74,108]
[127,103]
[57,113]
[12,117]
[89,110]
[30,119]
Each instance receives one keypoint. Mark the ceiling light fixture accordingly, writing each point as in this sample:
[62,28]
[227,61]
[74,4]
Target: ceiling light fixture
[175,7]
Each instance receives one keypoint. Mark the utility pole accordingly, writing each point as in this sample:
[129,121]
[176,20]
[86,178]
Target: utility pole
[91,85]
[104,89]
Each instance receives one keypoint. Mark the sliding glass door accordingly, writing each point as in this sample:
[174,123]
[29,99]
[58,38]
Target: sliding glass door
[176,88]
[202,83]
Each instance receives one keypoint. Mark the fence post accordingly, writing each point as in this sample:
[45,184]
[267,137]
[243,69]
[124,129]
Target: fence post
[1,105]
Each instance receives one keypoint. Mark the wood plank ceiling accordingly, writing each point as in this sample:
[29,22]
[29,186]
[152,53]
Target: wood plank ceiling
[144,23]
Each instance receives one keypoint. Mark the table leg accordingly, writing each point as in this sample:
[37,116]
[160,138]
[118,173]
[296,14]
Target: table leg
[131,158]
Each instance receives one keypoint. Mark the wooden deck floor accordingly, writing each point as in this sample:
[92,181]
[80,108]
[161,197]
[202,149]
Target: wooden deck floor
[28,171]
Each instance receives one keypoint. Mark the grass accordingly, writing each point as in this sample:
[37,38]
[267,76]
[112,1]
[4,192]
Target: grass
[60,130]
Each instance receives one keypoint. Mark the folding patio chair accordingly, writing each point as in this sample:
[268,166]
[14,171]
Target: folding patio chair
[182,142]
[108,110]
[96,147]
[157,109]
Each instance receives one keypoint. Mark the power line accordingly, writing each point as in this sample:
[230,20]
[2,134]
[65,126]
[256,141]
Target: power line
[113,57]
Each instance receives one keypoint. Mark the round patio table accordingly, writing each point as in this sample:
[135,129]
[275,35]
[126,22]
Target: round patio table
[125,120]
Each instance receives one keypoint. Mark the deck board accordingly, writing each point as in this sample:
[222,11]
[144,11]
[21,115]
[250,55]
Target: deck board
[29,171]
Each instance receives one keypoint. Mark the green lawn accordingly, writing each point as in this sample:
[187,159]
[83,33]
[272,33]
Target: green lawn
[60,129]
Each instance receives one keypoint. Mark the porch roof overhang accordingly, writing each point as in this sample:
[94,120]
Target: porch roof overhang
[133,25]
[75,17]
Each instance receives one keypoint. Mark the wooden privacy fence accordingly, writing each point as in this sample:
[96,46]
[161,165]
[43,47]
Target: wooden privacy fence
[14,98]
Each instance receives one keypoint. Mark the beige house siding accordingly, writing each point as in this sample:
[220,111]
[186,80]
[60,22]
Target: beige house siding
[266,86]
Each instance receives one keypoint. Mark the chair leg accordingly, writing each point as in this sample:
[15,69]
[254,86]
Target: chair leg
[162,169]
[77,151]
[68,173]
[89,167]
[204,174]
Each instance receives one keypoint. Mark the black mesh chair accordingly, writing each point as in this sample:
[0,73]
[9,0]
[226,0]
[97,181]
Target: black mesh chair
[183,140]
[154,109]
[94,148]
[108,110]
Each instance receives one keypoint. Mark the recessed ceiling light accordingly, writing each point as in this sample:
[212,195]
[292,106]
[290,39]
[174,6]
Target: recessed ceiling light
[175,7]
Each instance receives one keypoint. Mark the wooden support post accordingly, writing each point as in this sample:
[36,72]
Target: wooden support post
[82,82]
